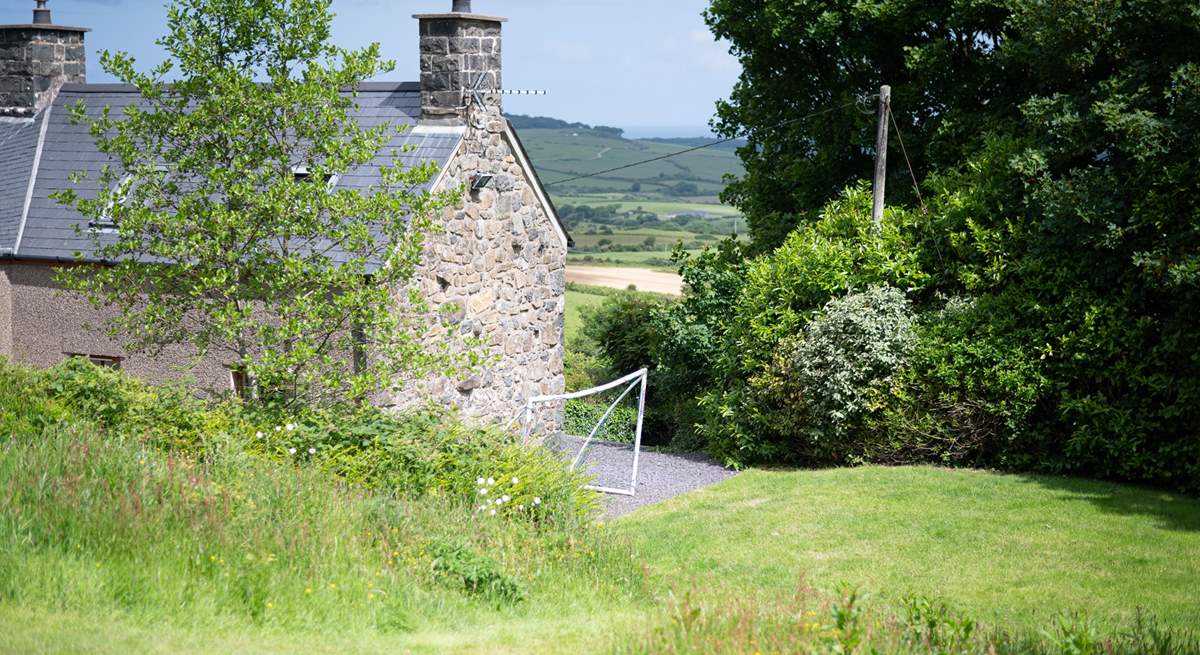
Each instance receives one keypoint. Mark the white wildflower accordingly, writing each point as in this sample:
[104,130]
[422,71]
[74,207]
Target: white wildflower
[537,500]
[278,428]
[258,434]
[499,501]
[515,480]
[492,513]
[480,481]
[291,451]
[312,451]
[491,481]
[483,492]
[520,508]
[291,426]
[505,498]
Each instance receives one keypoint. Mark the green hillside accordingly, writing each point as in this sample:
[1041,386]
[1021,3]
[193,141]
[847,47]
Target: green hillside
[559,154]
[642,211]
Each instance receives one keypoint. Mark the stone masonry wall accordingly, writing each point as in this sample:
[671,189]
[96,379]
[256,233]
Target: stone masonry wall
[34,64]
[455,53]
[502,264]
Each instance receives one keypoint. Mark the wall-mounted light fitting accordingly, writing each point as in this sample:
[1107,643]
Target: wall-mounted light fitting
[481,180]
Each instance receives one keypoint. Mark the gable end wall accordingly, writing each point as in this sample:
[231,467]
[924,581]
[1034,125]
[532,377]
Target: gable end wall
[500,260]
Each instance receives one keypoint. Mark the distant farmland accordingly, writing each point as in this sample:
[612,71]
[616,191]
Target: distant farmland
[563,153]
[634,216]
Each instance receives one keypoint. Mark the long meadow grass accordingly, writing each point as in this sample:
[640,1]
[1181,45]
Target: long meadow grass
[222,536]
[137,520]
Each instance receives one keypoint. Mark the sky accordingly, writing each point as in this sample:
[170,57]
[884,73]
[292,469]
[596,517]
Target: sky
[649,66]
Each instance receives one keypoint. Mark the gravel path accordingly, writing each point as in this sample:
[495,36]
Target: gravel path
[660,475]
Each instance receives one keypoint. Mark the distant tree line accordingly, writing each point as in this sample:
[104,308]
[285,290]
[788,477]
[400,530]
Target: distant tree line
[523,122]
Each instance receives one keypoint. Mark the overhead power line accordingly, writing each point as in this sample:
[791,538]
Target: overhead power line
[706,145]
[911,173]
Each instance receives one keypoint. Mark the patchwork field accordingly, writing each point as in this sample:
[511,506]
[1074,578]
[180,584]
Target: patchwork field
[637,215]
[624,277]
[559,154]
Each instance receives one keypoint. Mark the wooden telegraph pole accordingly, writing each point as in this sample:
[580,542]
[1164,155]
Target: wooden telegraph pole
[881,137]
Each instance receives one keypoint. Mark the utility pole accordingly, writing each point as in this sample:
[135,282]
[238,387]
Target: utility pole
[881,137]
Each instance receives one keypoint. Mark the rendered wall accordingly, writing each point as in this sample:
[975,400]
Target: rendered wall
[47,323]
[5,315]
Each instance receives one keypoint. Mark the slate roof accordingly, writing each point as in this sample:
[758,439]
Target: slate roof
[18,140]
[49,231]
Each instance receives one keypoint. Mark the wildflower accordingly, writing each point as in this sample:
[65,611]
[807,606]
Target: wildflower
[537,500]
[291,451]
[521,508]
[308,590]
[491,481]
[291,426]
[312,451]
[480,481]
[492,513]
[505,498]
[278,428]
[370,596]
[332,586]
[515,480]
[483,491]
[258,434]
[270,604]
[499,501]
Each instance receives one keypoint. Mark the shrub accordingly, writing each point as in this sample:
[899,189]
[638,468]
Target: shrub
[627,336]
[621,328]
[583,366]
[583,414]
[971,391]
[837,254]
[823,385]
[410,455]
[777,296]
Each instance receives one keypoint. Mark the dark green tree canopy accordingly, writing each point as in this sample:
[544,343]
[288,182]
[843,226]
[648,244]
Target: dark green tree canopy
[1093,87]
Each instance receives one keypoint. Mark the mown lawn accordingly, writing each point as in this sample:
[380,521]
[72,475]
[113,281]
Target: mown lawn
[1009,550]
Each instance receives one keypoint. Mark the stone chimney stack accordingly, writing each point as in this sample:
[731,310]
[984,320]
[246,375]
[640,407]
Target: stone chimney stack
[460,51]
[36,59]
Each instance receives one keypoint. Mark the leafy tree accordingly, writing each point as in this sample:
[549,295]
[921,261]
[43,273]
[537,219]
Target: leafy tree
[1082,75]
[1055,143]
[231,235]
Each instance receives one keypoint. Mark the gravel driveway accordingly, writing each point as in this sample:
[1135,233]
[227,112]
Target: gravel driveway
[660,475]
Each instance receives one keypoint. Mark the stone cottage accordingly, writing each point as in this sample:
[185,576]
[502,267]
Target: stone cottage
[499,259]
